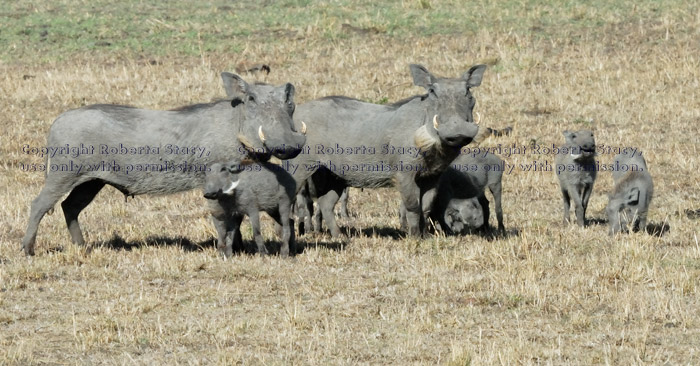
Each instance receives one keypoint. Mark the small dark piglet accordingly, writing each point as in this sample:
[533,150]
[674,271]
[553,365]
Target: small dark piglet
[236,190]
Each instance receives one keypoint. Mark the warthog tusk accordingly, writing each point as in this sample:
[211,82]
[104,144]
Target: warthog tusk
[229,190]
[303,127]
[261,134]
[435,122]
[244,140]
[478,118]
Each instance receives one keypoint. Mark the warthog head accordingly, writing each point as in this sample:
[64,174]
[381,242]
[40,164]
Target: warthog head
[581,144]
[266,120]
[462,214]
[450,104]
[221,180]
[619,210]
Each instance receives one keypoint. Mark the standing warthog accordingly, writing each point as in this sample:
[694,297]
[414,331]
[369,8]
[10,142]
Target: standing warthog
[632,194]
[235,190]
[463,182]
[142,151]
[407,144]
[576,170]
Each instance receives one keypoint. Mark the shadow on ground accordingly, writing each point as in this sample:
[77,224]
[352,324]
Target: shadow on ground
[376,231]
[394,233]
[593,221]
[652,228]
[369,232]
[249,246]
[657,229]
[118,243]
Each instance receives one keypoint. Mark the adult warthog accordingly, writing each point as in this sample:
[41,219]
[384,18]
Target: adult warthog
[142,151]
[407,144]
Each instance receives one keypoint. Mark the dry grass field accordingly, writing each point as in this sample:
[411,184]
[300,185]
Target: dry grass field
[151,289]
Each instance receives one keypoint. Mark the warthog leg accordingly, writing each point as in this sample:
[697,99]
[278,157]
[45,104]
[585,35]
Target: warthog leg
[77,200]
[286,234]
[344,204]
[254,217]
[326,190]
[309,208]
[304,207]
[567,205]
[284,226]
[579,208]
[53,191]
[641,223]
[287,222]
[229,234]
[496,191]
[411,198]
[587,190]
[326,204]
[486,211]
[237,241]
[317,219]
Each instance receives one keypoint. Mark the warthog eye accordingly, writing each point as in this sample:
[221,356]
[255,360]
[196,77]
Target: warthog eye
[251,98]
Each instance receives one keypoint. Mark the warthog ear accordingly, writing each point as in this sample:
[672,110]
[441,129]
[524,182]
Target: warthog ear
[570,136]
[421,76]
[632,197]
[289,93]
[474,75]
[235,86]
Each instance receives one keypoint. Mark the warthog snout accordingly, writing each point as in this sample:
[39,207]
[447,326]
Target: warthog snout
[580,143]
[588,149]
[212,195]
[459,140]
[284,151]
[284,147]
[221,181]
[455,132]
